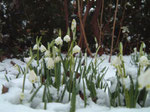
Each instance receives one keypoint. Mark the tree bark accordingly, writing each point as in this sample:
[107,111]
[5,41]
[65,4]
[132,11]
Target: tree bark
[66,14]
[94,21]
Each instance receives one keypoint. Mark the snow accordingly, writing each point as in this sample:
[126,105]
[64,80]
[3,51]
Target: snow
[10,102]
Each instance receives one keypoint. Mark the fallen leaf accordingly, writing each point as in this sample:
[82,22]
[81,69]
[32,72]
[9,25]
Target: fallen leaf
[4,89]
[13,63]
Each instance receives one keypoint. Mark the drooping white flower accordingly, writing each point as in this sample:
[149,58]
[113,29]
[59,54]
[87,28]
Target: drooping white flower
[116,62]
[76,49]
[50,63]
[144,80]
[143,61]
[32,76]
[42,48]
[57,59]
[35,47]
[73,25]
[21,96]
[27,59]
[58,41]
[47,53]
[67,38]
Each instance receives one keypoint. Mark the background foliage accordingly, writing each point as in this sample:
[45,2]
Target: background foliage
[21,21]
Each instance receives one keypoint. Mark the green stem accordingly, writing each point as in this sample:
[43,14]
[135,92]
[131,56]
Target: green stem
[35,93]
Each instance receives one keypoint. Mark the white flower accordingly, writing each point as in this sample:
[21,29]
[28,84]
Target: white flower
[32,77]
[73,25]
[42,48]
[144,80]
[58,41]
[21,96]
[27,59]
[143,61]
[47,53]
[67,38]
[50,63]
[116,62]
[76,49]
[35,47]
[57,59]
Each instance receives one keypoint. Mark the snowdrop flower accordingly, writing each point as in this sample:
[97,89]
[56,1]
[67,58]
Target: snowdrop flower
[27,59]
[67,38]
[42,48]
[143,61]
[73,25]
[47,53]
[58,41]
[50,63]
[76,49]
[144,80]
[57,59]
[32,77]
[35,47]
[21,96]
[116,62]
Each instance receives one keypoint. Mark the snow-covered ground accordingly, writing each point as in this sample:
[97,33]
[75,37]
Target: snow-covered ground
[9,102]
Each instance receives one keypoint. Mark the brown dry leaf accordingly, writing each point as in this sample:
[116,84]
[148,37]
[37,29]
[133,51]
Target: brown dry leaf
[13,63]
[4,89]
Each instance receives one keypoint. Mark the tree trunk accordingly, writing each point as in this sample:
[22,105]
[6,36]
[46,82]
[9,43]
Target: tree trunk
[66,14]
[94,22]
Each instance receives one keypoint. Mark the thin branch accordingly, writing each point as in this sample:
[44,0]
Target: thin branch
[114,24]
[83,31]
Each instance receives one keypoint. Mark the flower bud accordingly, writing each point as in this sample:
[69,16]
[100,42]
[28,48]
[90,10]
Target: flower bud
[73,25]
[32,77]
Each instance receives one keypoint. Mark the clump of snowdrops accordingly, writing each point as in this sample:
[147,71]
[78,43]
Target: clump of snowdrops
[130,89]
[63,77]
